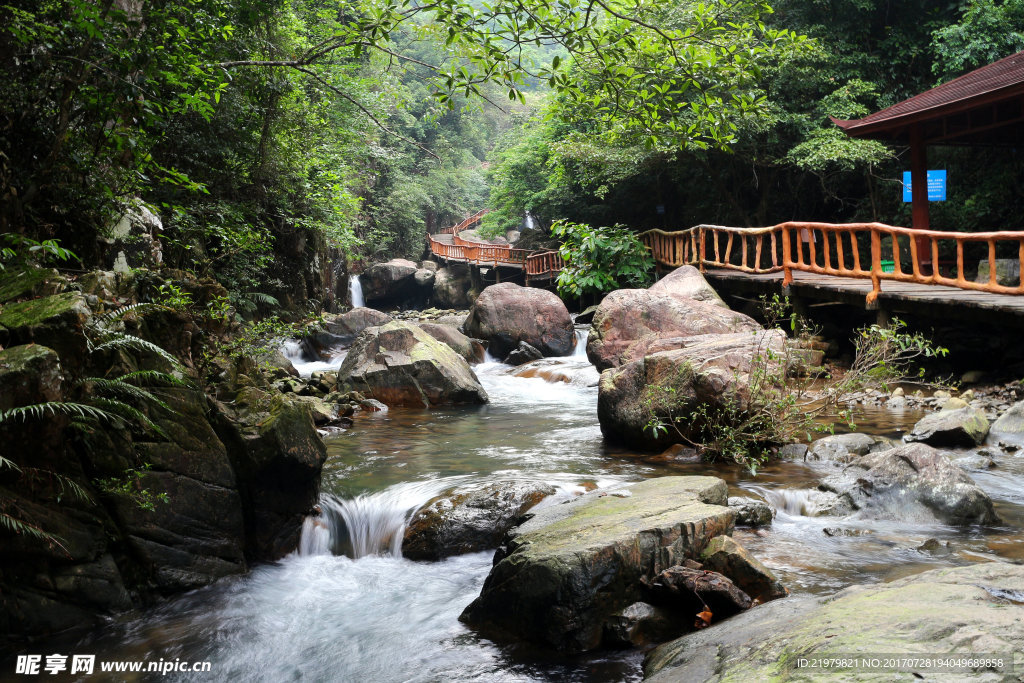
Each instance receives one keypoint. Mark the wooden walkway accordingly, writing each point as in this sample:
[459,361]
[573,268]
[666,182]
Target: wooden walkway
[895,297]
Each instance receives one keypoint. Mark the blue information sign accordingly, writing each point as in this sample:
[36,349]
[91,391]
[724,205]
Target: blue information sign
[936,186]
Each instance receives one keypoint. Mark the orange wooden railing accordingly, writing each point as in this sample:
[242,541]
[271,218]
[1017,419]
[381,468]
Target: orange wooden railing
[544,263]
[854,250]
[466,224]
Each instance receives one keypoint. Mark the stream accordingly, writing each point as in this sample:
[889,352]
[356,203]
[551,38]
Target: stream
[374,616]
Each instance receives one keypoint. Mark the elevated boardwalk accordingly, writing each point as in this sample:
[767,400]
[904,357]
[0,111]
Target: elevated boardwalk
[870,265]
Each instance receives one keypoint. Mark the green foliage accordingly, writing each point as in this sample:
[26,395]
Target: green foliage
[130,486]
[598,260]
[988,30]
[23,252]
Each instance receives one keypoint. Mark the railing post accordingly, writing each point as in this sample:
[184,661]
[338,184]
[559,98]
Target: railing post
[876,266]
[703,249]
[787,257]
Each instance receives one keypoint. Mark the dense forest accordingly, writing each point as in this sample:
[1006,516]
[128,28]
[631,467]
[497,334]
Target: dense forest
[363,125]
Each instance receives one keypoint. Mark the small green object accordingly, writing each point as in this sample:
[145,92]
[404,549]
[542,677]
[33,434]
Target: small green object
[888,266]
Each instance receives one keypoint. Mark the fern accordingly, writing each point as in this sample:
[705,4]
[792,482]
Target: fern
[101,321]
[121,390]
[20,527]
[119,410]
[38,411]
[154,378]
[121,341]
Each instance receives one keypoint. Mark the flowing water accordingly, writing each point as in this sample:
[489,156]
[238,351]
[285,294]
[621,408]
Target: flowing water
[307,361]
[355,291]
[348,607]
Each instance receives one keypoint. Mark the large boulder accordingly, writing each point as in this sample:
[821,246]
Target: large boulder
[709,373]
[507,314]
[729,558]
[686,282]
[56,321]
[911,482]
[628,321]
[395,284]
[351,323]
[453,287]
[401,365]
[569,569]
[470,349]
[469,522]
[965,427]
[29,374]
[961,612]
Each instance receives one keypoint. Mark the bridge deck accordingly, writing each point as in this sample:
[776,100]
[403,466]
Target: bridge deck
[895,296]
[445,238]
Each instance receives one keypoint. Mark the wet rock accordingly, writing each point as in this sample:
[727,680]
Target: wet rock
[400,364]
[845,447]
[392,283]
[565,571]
[751,511]
[629,321]
[453,287]
[691,591]
[643,624]
[1011,422]
[975,460]
[507,314]
[955,611]
[934,547]
[709,373]
[793,451]
[470,349]
[954,403]
[910,482]
[686,282]
[522,354]
[322,412]
[352,323]
[729,558]
[959,427]
[373,406]
[57,322]
[275,359]
[471,521]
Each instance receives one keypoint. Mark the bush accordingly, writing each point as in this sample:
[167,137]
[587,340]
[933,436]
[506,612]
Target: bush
[598,260]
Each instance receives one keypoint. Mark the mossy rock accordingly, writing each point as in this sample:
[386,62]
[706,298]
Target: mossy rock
[56,321]
[29,374]
[20,283]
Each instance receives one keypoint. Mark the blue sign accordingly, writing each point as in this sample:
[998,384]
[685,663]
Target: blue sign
[936,186]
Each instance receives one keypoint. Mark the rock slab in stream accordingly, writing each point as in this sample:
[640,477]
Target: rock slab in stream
[959,612]
[506,314]
[563,573]
[471,521]
[1012,421]
[844,447]
[401,365]
[913,481]
[960,427]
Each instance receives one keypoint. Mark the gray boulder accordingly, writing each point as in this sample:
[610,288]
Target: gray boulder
[844,447]
[401,365]
[1012,421]
[507,314]
[470,349]
[910,482]
[453,287]
[351,323]
[566,571]
[469,522]
[395,284]
[751,511]
[960,612]
[729,558]
[710,373]
[960,427]
[629,321]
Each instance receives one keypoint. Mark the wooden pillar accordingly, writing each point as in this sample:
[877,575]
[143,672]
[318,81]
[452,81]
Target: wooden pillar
[918,178]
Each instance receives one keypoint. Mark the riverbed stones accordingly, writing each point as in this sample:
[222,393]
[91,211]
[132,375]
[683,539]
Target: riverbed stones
[958,427]
[960,612]
[470,521]
[401,365]
[913,482]
[506,314]
[709,374]
[686,282]
[629,321]
[565,571]
[729,558]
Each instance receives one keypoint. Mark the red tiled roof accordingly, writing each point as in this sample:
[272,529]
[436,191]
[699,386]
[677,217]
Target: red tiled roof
[993,83]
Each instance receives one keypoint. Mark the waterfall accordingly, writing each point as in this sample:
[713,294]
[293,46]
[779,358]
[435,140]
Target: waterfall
[355,290]
[369,524]
[530,223]
[580,350]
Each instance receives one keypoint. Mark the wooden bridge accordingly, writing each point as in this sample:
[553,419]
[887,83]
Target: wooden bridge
[878,266]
